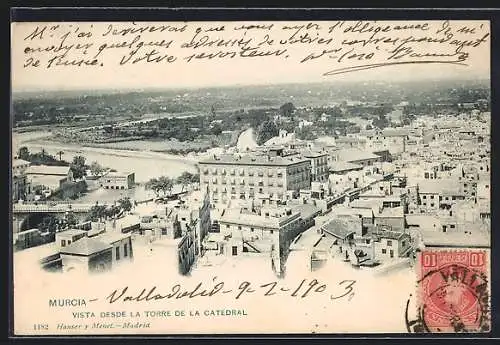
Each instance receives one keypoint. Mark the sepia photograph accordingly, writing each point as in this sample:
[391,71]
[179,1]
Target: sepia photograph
[256,177]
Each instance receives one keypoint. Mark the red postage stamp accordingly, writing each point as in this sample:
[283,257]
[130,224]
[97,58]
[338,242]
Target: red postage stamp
[453,291]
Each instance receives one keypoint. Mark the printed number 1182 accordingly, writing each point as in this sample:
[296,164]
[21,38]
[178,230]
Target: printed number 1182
[41,327]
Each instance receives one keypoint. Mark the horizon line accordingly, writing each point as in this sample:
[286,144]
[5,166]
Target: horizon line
[31,89]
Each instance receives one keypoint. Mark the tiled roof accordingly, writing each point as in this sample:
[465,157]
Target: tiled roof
[340,227]
[86,246]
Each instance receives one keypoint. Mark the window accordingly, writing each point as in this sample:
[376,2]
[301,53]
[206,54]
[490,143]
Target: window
[272,231]
[424,197]
[252,229]
[452,226]
[227,226]
[69,242]
[432,205]
[117,253]
[239,227]
[432,196]
[384,251]
[63,243]
[389,243]
[125,250]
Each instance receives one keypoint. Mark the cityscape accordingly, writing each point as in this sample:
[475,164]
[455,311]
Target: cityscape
[286,177]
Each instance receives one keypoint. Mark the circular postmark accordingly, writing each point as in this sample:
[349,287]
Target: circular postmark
[452,299]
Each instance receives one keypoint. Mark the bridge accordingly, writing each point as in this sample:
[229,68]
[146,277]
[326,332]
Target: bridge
[24,214]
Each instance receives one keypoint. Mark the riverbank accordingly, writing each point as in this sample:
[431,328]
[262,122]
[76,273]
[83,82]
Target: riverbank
[50,145]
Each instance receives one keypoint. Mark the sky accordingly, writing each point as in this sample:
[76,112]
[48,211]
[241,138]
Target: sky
[236,71]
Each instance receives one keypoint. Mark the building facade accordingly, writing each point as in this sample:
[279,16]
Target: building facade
[248,177]
[115,180]
[319,165]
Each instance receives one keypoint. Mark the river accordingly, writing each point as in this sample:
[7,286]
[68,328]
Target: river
[246,141]
[145,164]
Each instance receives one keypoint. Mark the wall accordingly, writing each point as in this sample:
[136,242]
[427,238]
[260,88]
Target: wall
[101,261]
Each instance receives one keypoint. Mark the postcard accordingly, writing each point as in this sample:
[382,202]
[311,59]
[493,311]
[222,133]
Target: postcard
[257,177]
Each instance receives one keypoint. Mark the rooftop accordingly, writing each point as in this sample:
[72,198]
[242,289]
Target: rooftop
[393,235]
[439,186]
[389,132]
[353,155]
[111,237]
[313,154]
[456,239]
[348,211]
[86,246]
[393,212]
[339,166]
[254,160]
[236,216]
[340,227]
[118,174]
[306,210]
[19,163]
[47,170]
[72,232]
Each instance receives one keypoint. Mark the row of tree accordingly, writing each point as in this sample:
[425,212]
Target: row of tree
[100,212]
[163,185]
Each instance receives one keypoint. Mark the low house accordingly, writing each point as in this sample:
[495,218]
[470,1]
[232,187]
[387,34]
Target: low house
[343,229]
[117,180]
[65,238]
[121,245]
[391,244]
[87,254]
[49,177]
[391,217]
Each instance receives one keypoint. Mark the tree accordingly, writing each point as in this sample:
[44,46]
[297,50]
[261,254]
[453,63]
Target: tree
[159,185]
[96,169]
[125,204]
[49,223]
[287,109]
[216,129]
[266,131]
[78,167]
[382,122]
[96,212]
[71,219]
[187,178]
[111,211]
[23,153]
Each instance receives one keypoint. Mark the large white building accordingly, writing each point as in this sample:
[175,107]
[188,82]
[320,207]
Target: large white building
[253,176]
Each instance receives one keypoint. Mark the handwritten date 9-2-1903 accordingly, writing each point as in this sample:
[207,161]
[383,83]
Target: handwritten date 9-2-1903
[303,289]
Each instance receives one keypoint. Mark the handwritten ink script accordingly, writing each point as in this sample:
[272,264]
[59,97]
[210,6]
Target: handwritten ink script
[340,46]
[303,289]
